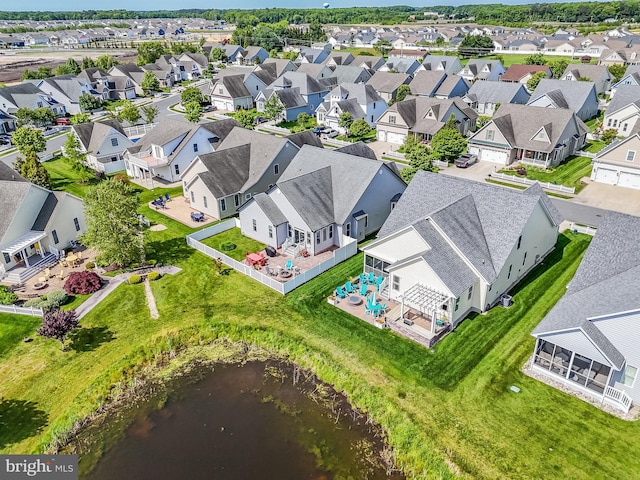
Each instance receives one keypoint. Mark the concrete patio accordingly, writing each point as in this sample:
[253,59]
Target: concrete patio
[179,209]
[278,263]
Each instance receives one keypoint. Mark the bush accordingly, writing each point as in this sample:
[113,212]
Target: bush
[151,263]
[122,177]
[82,283]
[50,301]
[133,279]
[90,265]
[227,246]
[7,297]
[153,276]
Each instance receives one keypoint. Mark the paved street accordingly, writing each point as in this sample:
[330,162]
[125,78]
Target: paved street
[53,144]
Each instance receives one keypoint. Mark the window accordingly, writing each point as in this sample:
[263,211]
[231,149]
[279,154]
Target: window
[204,201]
[524,259]
[257,88]
[324,234]
[347,229]
[624,127]
[519,242]
[372,117]
[76,223]
[177,169]
[490,134]
[629,376]
[457,304]
[220,91]
[330,231]
[631,155]
[615,123]
[236,199]
[254,225]
[270,231]
[318,237]
[114,159]
[470,293]
[114,142]
[184,183]
[276,169]
[223,204]
[195,147]
[247,196]
[395,282]
[7,258]
[509,274]
[392,119]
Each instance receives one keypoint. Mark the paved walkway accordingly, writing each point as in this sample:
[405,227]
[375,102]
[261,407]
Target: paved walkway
[151,300]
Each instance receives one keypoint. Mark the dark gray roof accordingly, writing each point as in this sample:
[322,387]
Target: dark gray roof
[17,94]
[359,149]
[606,282]
[414,112]
[235,86]
[48,210]
[388,82]
[92,134]
[227,170]
[564,94]
[168,129]
[351,106]
[305,83]
[290,97]
[449,83]
[349,73]
[9,174]
[306,137]
[498,219]
[311,194]
[221,128]
[270,209]
[68,85]
[363,93]
[427,82]
[625,96]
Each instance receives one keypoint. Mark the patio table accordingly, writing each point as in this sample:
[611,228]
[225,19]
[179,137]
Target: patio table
[255,258]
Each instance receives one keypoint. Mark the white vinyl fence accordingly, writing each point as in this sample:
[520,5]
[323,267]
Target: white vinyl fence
[583,229]
[527,181]
[31,311]
[339,255]
[273,129]
[138,129]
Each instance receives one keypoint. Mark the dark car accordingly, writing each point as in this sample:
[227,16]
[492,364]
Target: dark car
[319,130]
[5,140]
[258,120]
[465,160]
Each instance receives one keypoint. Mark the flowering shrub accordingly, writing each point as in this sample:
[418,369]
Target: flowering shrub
[82,283]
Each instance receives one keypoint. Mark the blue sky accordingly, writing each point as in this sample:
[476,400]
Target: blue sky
[72,5]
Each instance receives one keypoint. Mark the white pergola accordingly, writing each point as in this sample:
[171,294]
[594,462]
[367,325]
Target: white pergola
[20,244]
[426,299]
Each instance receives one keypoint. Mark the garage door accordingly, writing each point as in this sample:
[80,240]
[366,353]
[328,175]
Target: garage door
[220,104]
[604,175]
[630,180]
[393,137]
[490,155]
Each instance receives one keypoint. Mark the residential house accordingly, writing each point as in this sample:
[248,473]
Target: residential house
[297,92]
[631,77]
[490,70]
[598,74]
[423,117]
[35,226]
[523,73]
[350,74]
[580,97]
[387,84]
[400,65]
[252,56]
[623,56]
[358,99]
[410,54]
[132,72]
[168,149]
[335,59]
[623,111]
[453,246]
[315,70]
[191,66]
[530,134]
[588,342]
[245,164]
[164,73]
[67,90]
[370,62]
[276,66]
[323,200]
[7,122]
[452,86]
[446,63]
[27,95]
[619,163]
[104,143]
[426,82]
[312,55]
[231,51]
[230,93]
[485,97]
[524,45]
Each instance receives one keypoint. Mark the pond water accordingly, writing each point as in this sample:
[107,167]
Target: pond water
[238,422]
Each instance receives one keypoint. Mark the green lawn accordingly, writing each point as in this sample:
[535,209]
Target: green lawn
[594,146]
[311,123]
[243,244]
[509,59]
[63,178]
[568,173]
[370,137]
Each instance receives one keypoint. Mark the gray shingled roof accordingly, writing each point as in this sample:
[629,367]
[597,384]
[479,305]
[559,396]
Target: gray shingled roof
[606,282]
[227,170]
[500,215]
[68,85]
[359,149]
[427,82]
[306,137]
[22,95]
[363,93]
[11,196]
[235,86]
[349,73]
[387,82]
[564,94]
[168,129]
[290,97]
[449,84]
[270,209]
[9,174]
[92,134]
[414,112]
[625,96]
[48,211]
[495,92]
[305,83]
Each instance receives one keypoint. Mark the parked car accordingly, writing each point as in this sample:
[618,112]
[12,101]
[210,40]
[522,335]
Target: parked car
[258,120]
[5,140]
[331,133]
[465,160]
[209,108]
[63,121]
[319,130]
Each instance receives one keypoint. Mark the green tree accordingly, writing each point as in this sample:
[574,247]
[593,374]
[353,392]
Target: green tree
[345,120]
[79,118]
[150,82]
[218,55]
[113,229]
[273,53]
[359,128]
[533,82]
[106,62]
[402,93]
[475,46]
[62,70]
[128,112]
[617,71]
[383,47]
[558,66]
[87,62]
[73,66]
[149,52]
[89,102]
[31,169]
[265,37]
[419,157]
[76,157]
[273,108]
[447,144]
[24,116]
[535,59]
[482,121]
[193,111]
[302,119]
[609,135]
[149,113]
[29,141]
[191,94]
[245,118]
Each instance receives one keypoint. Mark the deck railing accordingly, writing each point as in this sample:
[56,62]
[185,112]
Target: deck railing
[618,396]
[583,229]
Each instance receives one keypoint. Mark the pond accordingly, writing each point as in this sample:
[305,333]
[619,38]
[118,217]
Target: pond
[231,421]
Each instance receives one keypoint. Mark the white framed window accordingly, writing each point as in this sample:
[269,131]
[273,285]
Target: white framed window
[54,234]
[247,196]
[470,293]
[236,199]
[276,169]
[631,155]
[524,259]
[519,242]
[490,134]
[395,282]
[392,119]
[318,237]
[624,127]
[204,201]
[629,376]
[223,204]
[270,231]
[193,197]
[177,169]
[457,304]
[76,224]
[254,225]
[330,231]
[114,142]
[509,274]
[347,229]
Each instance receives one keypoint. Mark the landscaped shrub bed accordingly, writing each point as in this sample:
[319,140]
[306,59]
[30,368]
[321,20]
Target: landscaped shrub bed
[133,279]
[227,246]
[153,276]
[82,283]
[49,301]
[7,297]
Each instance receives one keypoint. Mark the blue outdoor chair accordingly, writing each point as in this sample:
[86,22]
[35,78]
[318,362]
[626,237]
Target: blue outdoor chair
[340,293]
[349,287]
[167,197]
[363,278]
[379,281]
[363,288]
[372,278]
[289,265]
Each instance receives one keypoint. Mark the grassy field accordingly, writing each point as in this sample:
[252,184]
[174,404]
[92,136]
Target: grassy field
[568,173]
[509,59]
[243,244]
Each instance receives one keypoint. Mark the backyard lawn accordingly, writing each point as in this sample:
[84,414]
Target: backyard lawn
[569,173]
[233,236]
[63,178]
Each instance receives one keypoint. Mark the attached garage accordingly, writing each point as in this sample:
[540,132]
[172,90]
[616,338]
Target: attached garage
[491,155]
[629,180]
[391,137]
[606,175]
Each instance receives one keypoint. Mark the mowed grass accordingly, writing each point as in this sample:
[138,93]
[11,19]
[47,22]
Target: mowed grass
[243,244]
[63,178]
[569,173]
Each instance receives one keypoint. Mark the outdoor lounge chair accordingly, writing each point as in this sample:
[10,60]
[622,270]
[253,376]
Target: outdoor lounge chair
[271,271]
[340,293]
[363,288]
[289,265]
[349,287]
[379,281]
[167,197]
[371,279]
[47,273]
[42,280]
[363,278]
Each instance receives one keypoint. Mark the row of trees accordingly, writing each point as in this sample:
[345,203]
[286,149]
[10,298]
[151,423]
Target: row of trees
[149,52]
[103,62]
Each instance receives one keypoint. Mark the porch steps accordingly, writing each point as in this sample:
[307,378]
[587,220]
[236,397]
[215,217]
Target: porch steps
[394,314]
[24,274]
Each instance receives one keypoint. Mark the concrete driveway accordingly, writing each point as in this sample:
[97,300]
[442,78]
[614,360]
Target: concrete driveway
[610,197]
[478,172]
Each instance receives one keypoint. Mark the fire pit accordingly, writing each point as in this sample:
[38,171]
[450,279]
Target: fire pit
[39,286]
